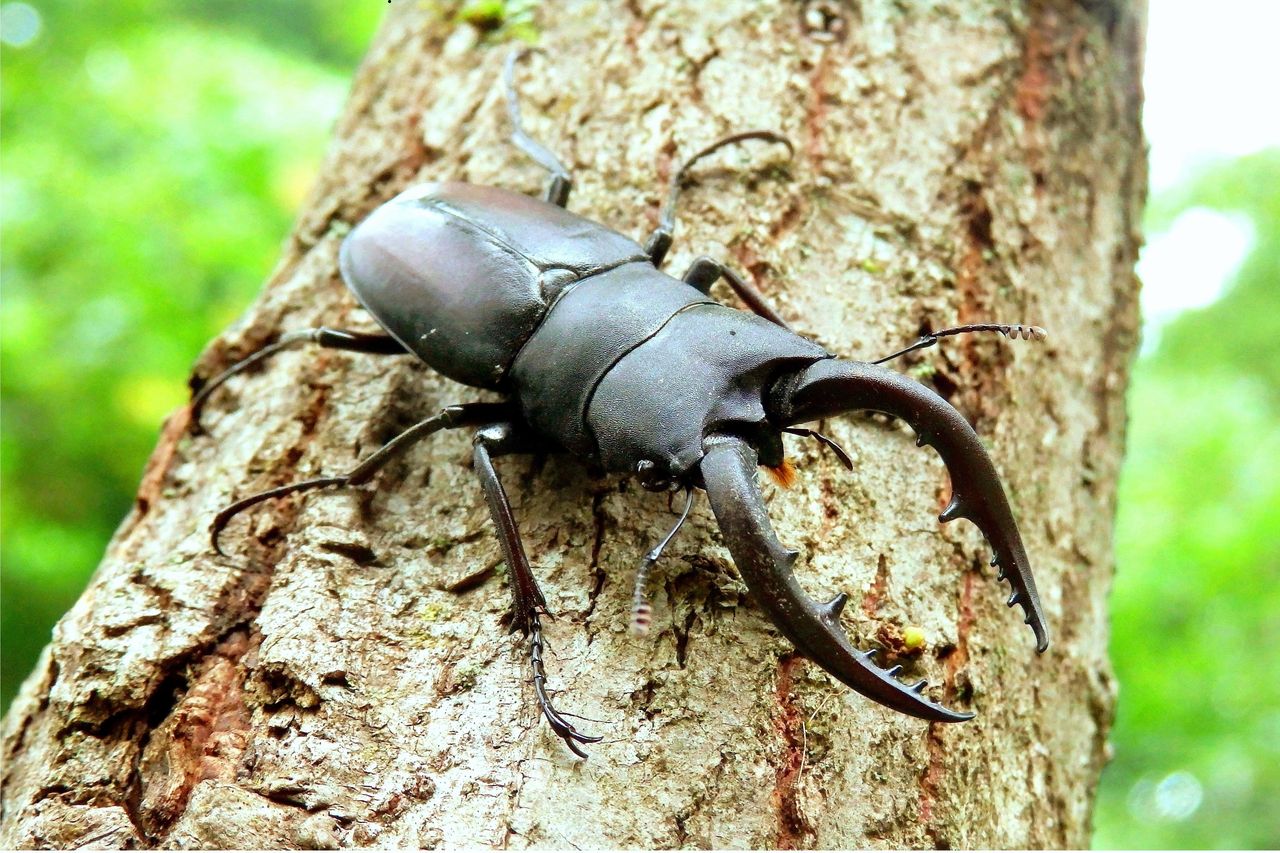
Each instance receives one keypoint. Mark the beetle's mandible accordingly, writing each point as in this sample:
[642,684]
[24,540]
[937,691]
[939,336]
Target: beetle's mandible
[598,352]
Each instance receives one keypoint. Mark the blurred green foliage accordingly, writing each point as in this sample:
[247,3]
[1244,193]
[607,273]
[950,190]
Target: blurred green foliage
[1196,604]
[153,155]
[152,159]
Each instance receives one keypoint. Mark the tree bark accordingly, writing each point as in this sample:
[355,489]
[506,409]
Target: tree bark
[959,161]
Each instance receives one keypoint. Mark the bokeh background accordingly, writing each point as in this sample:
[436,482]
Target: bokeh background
[154,152]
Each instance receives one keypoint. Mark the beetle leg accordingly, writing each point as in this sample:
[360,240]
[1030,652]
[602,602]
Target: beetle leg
[375,344]
[528,603]
[704,272]
[467,414]
[832,386]
[641,610]
[561,182]
[1014,331]
[659,242]
[729,472]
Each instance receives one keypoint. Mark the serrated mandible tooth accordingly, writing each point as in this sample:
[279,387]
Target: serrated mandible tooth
[1014,599]
[832,609]
[953,511]
[893,671]
[919,685]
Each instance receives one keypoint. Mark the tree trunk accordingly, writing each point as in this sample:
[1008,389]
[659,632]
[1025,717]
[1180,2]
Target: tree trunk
[955,162]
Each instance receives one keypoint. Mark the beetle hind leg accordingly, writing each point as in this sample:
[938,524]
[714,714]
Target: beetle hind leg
[452,417]
[528,603]
[373,344]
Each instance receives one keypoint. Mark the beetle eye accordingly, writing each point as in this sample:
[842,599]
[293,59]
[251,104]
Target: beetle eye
[651,478]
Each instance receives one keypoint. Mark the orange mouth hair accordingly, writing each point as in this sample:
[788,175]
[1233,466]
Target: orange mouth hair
[784,475]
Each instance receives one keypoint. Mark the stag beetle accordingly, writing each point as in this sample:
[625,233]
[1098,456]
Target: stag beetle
[599,353]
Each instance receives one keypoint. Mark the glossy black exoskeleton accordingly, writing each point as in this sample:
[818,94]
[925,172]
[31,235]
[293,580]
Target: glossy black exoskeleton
[601,354]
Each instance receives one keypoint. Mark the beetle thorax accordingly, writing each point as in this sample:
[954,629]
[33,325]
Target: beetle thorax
[706,372]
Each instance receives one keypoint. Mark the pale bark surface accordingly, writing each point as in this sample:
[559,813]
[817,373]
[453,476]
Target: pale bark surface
[957,161]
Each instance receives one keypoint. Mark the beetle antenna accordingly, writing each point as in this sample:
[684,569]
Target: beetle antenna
[659,241]
[641,611]
[1014,331]
[558,190]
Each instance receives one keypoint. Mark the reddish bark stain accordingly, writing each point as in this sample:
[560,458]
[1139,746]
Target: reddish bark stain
[794,829]
[871,601]
[931,778]
[753,265]
[789,219]
[636,27]
[816,112]
[159,465]
[1035,85]
[981,382]
[203,737]
[664,165]
[416,153]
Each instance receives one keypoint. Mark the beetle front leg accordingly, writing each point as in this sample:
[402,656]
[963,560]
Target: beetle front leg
[641,610]
[528,603]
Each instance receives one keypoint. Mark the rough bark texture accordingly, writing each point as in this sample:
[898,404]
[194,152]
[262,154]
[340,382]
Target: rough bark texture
[957,161]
